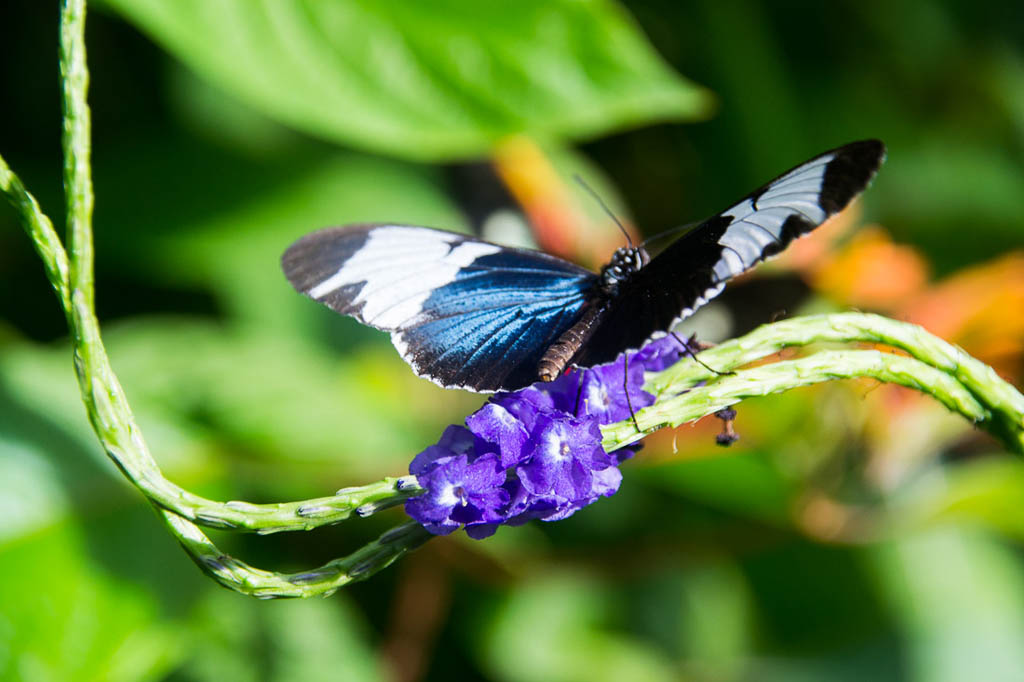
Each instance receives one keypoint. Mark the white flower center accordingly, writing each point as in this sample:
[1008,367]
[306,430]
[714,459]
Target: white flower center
[555,446]
[597,397]
[452,495]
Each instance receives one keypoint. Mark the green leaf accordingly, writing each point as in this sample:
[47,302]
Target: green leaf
[717,614]
[320,640]
[426,80]
[741,483]
[236,252]
[987,491]
[308,640]
[960,599]
[63,619]
[30,492]
[557,620]
[206,394]
[931,205]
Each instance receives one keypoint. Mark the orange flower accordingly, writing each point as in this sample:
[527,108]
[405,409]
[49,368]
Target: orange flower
[980,308]
[559,224]
[537,188]
[871,271]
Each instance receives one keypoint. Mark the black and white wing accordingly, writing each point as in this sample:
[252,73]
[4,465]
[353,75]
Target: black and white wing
[462,312]
[695,268]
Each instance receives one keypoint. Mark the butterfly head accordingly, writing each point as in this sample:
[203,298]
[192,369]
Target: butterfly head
[624,263]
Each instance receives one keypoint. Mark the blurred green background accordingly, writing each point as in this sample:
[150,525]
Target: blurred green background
[855,532]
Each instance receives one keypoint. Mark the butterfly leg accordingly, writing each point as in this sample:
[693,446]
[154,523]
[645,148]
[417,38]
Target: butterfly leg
[625,387]
[688,350]
[728,436]
[579,392]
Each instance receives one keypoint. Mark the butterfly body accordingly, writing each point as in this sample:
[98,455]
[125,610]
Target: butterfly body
[469,314]
[625,263]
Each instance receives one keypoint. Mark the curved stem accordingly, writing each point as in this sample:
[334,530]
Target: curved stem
[783,376]
[1004,403]
[106,403]
[118,433]
[40,230]
[77,147]
[322,581]
[360,501]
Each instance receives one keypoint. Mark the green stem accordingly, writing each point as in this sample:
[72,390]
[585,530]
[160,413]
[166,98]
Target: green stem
[358,501]
[77,152]
[106,403]
[40,230]
[1003,403]
[783,376]
[111,415]
[321,581]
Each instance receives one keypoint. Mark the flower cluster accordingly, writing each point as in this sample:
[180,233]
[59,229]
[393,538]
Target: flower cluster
[535,453]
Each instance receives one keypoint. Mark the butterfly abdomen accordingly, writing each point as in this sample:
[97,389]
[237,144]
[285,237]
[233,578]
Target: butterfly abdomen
[559,354]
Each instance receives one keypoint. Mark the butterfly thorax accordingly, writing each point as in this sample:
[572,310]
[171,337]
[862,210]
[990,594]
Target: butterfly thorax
[625,262]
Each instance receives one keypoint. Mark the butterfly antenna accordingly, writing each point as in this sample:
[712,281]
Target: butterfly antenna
[590,190]
[670,231]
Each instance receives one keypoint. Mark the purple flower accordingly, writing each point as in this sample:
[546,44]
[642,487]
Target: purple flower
[602,393]
[535,453]
[459,492]
[495,425]
[525,506]
[607,481]
[562,455]
[663,352]
[456,440]
[559,395]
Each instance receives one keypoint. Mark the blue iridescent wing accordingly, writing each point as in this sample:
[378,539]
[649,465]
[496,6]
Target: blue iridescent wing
[462,312]
[695,268]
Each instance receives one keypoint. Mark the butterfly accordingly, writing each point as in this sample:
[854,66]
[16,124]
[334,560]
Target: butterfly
[469,314]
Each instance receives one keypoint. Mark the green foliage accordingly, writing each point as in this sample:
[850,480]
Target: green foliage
[112,630]
[960,598]
[428,81]
[195,410]
[702,567]
[557,618]
[301,640]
